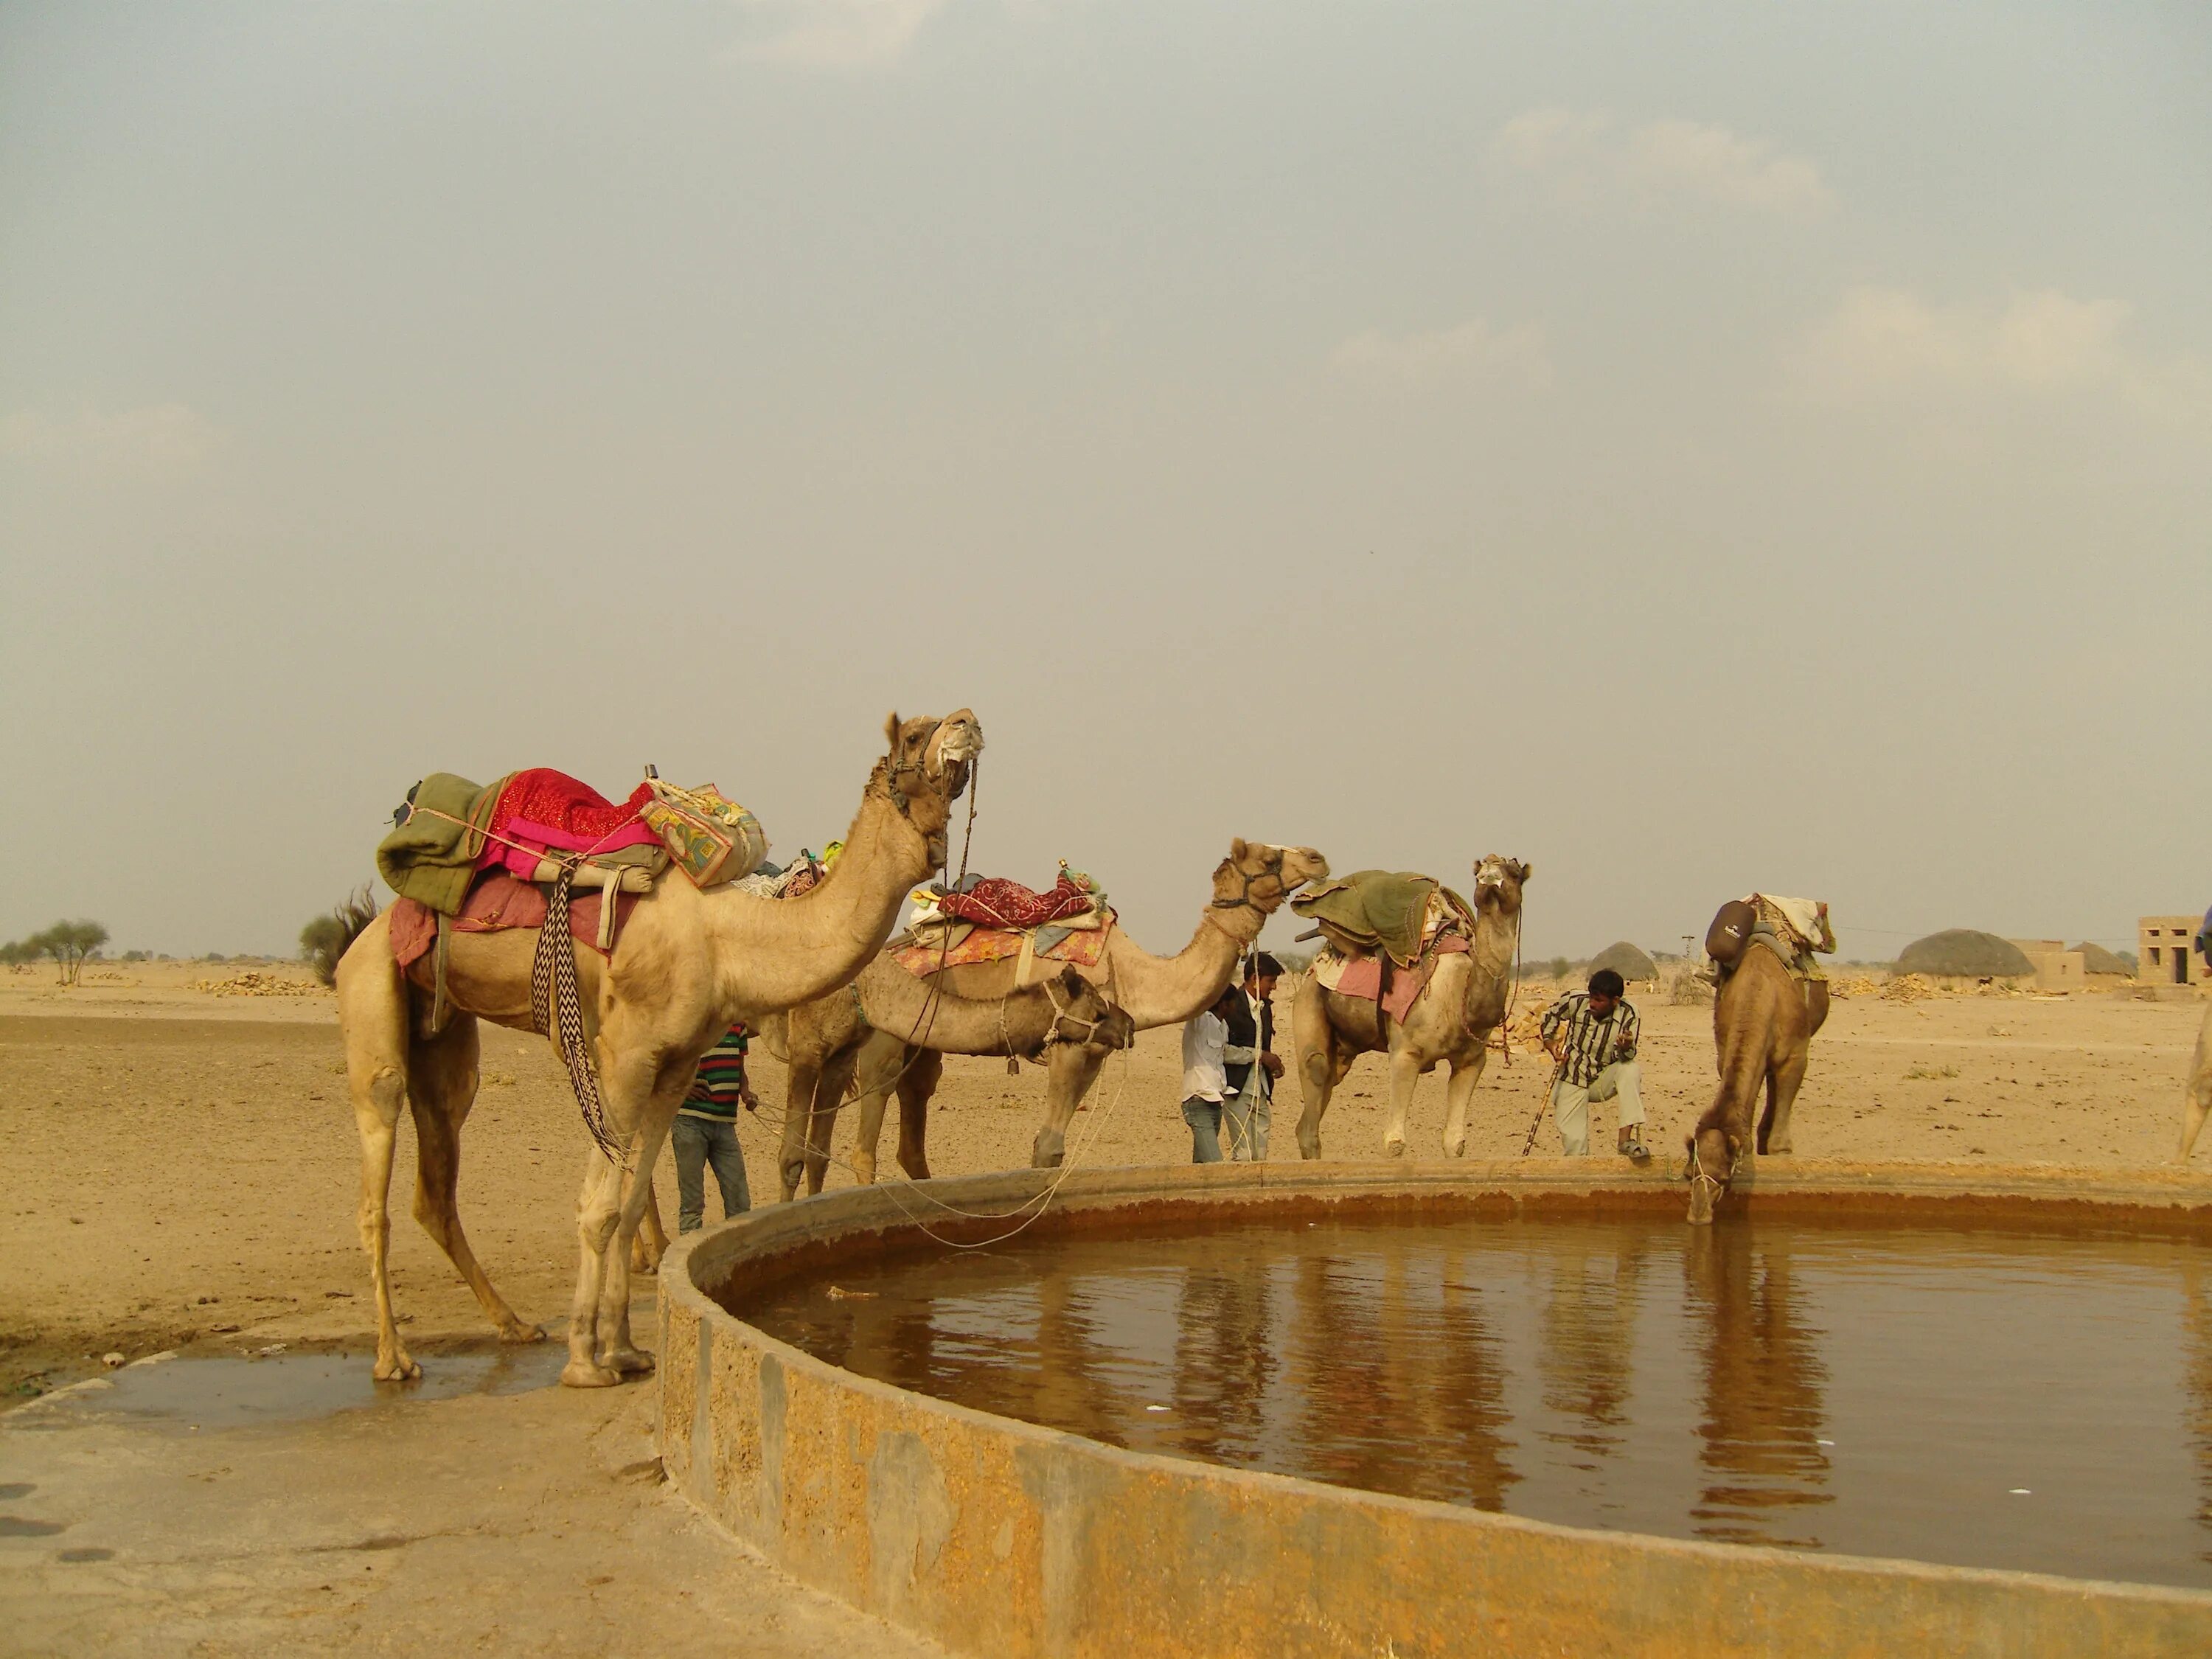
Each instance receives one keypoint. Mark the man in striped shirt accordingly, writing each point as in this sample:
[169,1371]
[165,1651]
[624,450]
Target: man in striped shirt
[706,1132]
[1592,1037]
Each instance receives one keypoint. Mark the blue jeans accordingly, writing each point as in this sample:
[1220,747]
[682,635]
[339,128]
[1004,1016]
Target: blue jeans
[700,1141]
[1204,1117]
[1247,1116]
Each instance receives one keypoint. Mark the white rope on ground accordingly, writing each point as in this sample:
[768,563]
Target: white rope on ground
[1031,1209]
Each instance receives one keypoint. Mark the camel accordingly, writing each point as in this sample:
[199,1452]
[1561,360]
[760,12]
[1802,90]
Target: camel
[688,964]
[1763,1025]
[1249,885]
[1450,1021]
[2196,1098]
[1066,1021]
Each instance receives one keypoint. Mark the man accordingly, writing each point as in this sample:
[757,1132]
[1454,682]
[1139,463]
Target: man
[1250,1065]
[706,1132]
[1205,1080]
[1591,1036]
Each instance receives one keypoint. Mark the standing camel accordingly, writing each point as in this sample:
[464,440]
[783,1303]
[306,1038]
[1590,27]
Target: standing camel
[1450,1021]
[1763,1025]
[1249,885]
[1066,1021]
[688,964]
[2196,1098]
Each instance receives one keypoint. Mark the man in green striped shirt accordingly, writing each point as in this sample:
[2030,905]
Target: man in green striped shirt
[706,1132]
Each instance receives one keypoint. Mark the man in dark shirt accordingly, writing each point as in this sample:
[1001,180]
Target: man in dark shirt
[1251,1063]
[706,1132]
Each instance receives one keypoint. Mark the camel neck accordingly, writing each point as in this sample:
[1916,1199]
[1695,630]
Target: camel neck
[786,951]
[1157,991]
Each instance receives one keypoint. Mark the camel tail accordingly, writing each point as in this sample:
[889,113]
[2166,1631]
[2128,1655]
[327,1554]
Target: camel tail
[330,936]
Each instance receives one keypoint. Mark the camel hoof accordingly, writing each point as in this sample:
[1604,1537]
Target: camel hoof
[1394,1147]
[628,1362]
[518,1332]
[400,1370]
[580,1374]
[1456,1148]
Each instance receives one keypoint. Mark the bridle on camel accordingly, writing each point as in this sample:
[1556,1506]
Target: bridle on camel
[1270,870]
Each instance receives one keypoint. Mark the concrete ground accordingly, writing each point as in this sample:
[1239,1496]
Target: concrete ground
[530,1522]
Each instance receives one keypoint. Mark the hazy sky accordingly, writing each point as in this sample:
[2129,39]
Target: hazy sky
[1692,447]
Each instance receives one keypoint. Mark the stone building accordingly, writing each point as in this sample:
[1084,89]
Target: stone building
[2164,953]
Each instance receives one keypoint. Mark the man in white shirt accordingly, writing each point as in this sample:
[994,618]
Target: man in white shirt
[1205,1080]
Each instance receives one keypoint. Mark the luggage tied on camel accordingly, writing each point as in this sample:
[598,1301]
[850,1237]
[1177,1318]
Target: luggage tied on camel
[1384,933]
[483,860]
[991,919]
[1792,928]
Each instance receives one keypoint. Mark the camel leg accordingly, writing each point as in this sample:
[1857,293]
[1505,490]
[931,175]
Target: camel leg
[652,1240]
[821,1126]
[443,1079]
[803,1085]
[373,1013]
[915,1088]
[1782,1086]
[1315,1047]
[640,1106]
[1459,1092]
[617,1352]
[1405,1078]
[2196,1098]
[1072,1071]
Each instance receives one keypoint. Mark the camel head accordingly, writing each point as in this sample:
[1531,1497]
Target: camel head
[1262,877]
[1714,1154]
[1084,1016]
[1498,884]
[928,766]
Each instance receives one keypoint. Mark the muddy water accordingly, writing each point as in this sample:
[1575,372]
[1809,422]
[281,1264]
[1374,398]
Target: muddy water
[1997,1399]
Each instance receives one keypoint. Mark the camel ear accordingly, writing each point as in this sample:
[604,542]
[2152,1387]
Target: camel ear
[892,731]
[1522,872]
[1237,849]
[1072,982]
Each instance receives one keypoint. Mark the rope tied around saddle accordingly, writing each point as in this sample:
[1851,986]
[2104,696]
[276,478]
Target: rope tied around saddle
[556,1010]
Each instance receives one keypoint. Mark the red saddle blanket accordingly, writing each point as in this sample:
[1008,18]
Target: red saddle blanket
[1363,977]
[496,903]
[546,810]
[995,901]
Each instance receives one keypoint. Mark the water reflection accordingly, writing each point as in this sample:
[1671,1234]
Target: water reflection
[1588,1338]
[1761,1430]
[2197,1349]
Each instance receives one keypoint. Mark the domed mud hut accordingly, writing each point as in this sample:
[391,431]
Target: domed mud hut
[2096,959]
[1963,953]
[1626,960]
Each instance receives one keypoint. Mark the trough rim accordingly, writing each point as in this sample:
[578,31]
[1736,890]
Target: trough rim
[888,1209]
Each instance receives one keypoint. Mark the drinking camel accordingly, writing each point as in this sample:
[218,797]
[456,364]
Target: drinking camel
[687,965]
[1064,1020]
[1449,1023]
[1762,1026]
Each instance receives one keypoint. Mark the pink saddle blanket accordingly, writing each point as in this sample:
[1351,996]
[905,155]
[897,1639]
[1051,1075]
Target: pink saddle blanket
[1363,977]
[498,902]
[550,812]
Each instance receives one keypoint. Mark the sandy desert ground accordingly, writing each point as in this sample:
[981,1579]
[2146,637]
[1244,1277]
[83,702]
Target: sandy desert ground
[183,1168]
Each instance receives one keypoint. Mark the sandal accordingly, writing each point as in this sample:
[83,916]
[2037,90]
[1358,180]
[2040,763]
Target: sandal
[1637,1152]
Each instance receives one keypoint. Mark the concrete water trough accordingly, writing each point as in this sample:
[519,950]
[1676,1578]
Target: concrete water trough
[1000,1536]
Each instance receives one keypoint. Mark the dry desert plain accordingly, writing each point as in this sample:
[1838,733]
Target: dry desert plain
[182,1173]
[184,1169]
